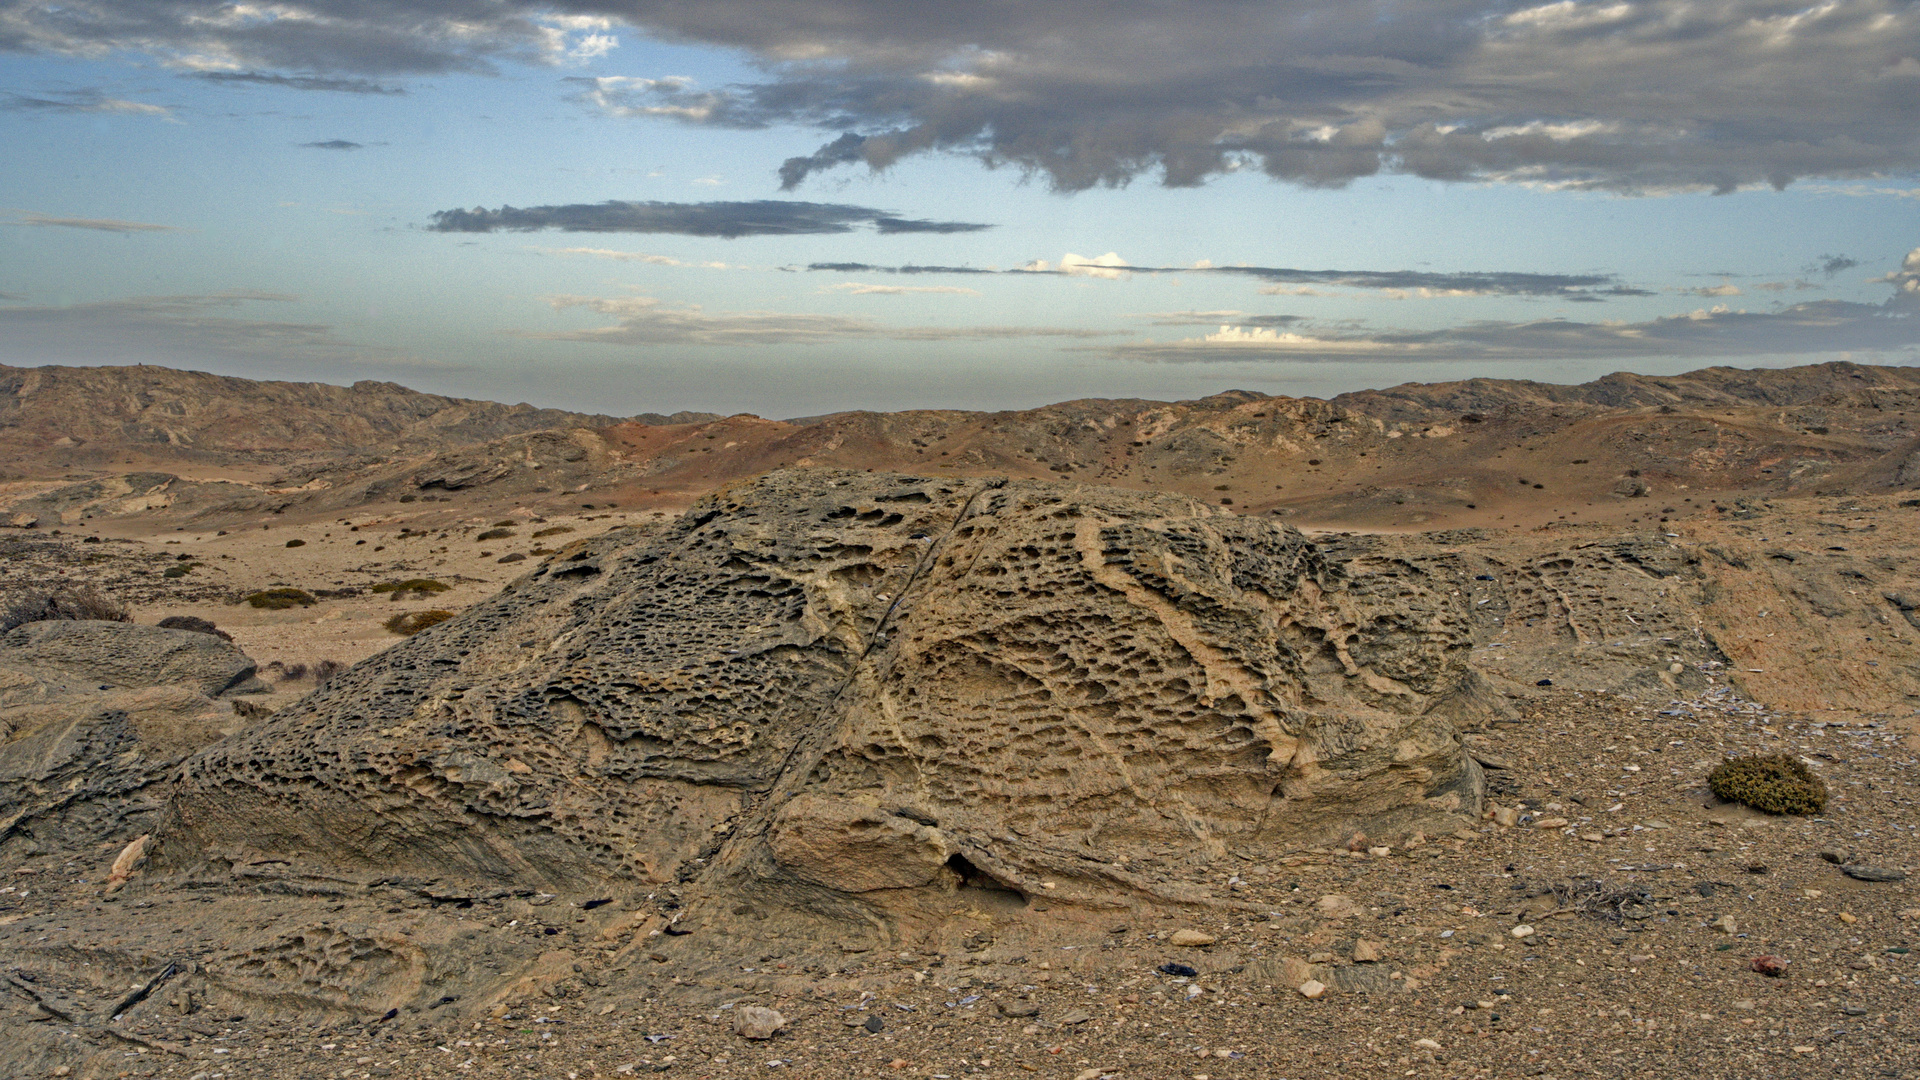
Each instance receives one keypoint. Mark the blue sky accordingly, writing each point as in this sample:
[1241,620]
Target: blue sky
[649,206]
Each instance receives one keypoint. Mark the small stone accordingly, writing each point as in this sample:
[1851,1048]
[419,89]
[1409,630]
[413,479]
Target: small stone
[1335,906]
[1725,924]
[1322,957]
[1550,823]
[1087,1074]
[1426,1044]
[1853,1010]
[1848,919]
[874,1025]
[61,1070]
[1380,852]
[1076,1017]
[1357,842]
[1312,988]
[1367,952]
[1504,816]
[1865,872]
[1838,856]
[1592,837]
[1522,931]
[757,1022]
[1178,971]
[898,1063]
[1773,967]
[1654,823]
[1191,939]
[1018,1010]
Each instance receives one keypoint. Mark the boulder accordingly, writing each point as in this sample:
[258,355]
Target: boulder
[849,694]
[118,654]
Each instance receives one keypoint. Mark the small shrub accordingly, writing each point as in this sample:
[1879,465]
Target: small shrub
[195,624]
[413,622]
[281,599]
[296,543]
[1775,783]
[495,534]
[554,530]
[505,524]
[178,570]
[515,557]
[290,672]
[409,498]
[81,603]
[325,670]
[412,585]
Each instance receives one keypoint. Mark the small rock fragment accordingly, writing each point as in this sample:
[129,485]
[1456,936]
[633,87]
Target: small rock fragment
[1522,931]
[1191,939]
[1367,952]
[757,1022]
[1335,906]
[1550,823]
[1725,924]
[1773,967]
[1178,971]
[1312,988]
[1866,872]
[1838,856]
[1426,1044]
[873,1024]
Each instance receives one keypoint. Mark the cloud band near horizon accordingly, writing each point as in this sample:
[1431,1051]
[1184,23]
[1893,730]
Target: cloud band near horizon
[728,220]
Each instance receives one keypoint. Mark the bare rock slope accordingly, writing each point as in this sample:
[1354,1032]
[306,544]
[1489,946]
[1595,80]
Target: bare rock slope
[838,697]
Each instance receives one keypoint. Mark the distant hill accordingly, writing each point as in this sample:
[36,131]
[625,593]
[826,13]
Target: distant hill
[93,415]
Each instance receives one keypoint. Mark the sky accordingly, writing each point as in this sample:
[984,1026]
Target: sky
[793,207]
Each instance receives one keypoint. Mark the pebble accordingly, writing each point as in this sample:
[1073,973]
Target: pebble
[1725,924]
[1522,931]
[1838,856]
[1312,988]
[1426,1044]
[1366,951]
[757,1022]
[1550,823]
[1191,939]
[1773,967]
[1335,905]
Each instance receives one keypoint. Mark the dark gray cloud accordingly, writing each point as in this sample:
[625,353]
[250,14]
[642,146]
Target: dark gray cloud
[1829,265]
[644,320]
[332,84]
[1621,95]
[1583,287]
[765,217]
[333,144]
[1816,327]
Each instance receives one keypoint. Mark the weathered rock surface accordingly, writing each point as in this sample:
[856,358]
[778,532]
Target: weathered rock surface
[840,694]
[94,715]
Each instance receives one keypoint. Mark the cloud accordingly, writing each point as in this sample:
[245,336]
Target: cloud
[644,320]
[1297,282]
[1616,95]
[855,288]
[329,84]
[1829,265]
[1723,289]
[95,224]
[333,144]
[636,256]
[82,101]
[766,217]
[1821,326]
[181,329]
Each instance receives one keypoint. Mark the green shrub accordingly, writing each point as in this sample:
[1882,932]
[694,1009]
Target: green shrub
[413,622]
[413,585]
[554,530]
[495,534]
[179,570]
[1775,783]
[281,599]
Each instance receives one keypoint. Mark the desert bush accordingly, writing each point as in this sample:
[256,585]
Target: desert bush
[419,585]
[413,622]
[554,530]
[281,599]
[495,534]
[290,672]
[77,603]
[515,557]
[1775,783]
[505,524]
[195,624]
[178,570]
[325,670]
[296,543]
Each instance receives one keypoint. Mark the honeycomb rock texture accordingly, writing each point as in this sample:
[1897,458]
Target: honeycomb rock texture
[841,694]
